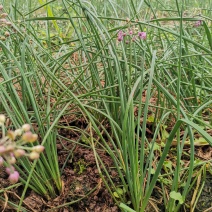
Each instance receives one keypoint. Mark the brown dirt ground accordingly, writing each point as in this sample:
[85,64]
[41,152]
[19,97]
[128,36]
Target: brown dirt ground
[80,177]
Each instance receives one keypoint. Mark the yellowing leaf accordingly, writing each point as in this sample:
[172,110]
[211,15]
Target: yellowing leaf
[200,142]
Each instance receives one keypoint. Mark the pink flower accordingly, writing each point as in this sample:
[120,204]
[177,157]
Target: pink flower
[142,35]
[198,23]
[13,178]
[10,170]
[3,20]
[19,152]
[120,33]
[2,149]
[130,32]
[34,155]
[120,36]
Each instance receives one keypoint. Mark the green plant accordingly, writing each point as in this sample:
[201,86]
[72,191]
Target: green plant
[133,75]
[140,93]
[23,100]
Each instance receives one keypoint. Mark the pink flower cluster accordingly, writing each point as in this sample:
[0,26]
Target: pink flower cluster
[142,35]
[121,34]
[12,147]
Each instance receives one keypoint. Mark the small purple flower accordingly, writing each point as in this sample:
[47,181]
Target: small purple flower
[130,32]
[198,23]
[120,35]
[13,178]
[142,35]
[120,38]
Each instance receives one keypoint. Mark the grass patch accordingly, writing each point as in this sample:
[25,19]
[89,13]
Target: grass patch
[137,72]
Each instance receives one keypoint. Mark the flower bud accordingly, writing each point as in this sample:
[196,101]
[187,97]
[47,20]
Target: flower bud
[33,138]
[142,35]
[2,118]
[8,23]
[127,20]
[12,160]
[1,7]
[198,23]
[26,127]
[7,34]
[2,150]
[13,178]
[120,38]
[9,148]
[34,155]
[11,135]
[3,15]
[18,132]
[10,170]
[3,20]
[38,148]
[130,32]
[27,136]
[19,152]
